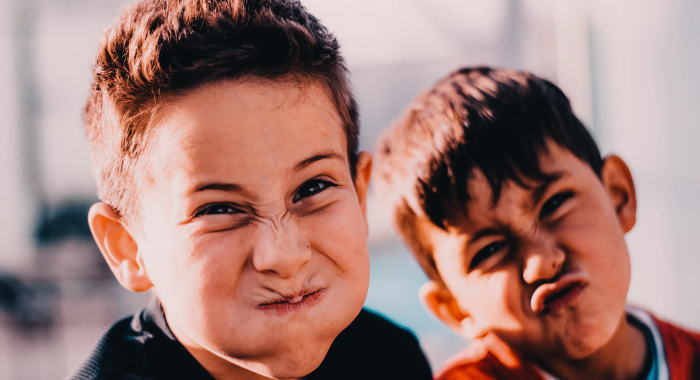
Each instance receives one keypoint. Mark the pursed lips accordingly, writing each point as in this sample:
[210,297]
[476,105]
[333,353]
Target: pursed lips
[282,303]
[554,296]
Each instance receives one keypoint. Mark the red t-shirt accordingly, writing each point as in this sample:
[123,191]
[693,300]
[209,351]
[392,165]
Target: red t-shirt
[488,358]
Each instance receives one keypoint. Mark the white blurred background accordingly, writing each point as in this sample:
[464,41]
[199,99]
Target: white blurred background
[629,67]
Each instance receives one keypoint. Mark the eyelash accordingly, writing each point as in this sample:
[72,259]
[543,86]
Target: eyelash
[320,185]
[224,208]
[216,209]
[554,203]
[486,252]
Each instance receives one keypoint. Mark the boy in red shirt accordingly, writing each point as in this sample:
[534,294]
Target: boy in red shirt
[506,202]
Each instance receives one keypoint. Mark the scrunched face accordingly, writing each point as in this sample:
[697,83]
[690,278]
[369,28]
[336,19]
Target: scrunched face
[253,231]
[546,268]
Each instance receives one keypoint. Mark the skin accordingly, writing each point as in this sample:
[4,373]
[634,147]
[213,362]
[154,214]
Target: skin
[252,230]
[497,260]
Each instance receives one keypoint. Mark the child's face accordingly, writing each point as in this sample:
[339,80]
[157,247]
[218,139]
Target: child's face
[547,268]
[253,232]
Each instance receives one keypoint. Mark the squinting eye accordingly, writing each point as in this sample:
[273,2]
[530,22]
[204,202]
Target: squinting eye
[216,209]
[310,188]
[486,252]
[553,203]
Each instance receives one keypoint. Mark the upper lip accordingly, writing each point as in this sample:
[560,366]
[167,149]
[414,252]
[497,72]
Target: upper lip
[545,291]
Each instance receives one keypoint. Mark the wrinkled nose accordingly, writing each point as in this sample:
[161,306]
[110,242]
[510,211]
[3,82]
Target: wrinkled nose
[542,260]
[281,249]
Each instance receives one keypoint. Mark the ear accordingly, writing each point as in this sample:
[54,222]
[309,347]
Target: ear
[362,176]
[440,302]
[118,247]
[617,180]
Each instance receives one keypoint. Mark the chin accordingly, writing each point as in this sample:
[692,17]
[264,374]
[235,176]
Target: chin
[580,349]
[291,373]
[291,365]
[294,365]
[586,341]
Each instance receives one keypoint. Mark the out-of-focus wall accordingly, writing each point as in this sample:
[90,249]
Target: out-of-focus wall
[16,209]
[646,92]
[47,51]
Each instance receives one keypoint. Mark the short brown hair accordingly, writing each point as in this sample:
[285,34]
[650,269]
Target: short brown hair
[162,49]
[497,121]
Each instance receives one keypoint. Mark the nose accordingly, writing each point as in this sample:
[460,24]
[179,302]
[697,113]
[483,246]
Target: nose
[281,249]
[542,259]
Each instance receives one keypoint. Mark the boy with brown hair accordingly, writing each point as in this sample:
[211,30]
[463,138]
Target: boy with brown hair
[505,201]
[224,139]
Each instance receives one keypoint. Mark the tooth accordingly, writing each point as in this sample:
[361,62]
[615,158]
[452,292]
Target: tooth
[296,299]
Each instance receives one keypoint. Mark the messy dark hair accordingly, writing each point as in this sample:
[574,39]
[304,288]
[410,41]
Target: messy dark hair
[496,121]
[162,49]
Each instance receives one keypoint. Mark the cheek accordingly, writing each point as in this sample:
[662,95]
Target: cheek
[502,297]
[215,262]
[337,238]
[493,300]
[200,273]
[338,232]
[596,243]
[206,284]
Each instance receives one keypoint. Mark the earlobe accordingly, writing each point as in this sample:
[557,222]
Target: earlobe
[362,176]
[442,304]
[118,247]
[617,180]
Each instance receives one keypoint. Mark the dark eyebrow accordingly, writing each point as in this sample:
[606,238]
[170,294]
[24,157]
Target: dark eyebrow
[537,195]
[540,190]
[485,232]
[235,188]
[228,187]
[317,157]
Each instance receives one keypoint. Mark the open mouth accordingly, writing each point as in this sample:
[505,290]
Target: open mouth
[556,296]
[284,304]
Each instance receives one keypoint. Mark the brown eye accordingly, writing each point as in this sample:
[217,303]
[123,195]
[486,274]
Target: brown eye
[553,203]
[310,188]
[486,252]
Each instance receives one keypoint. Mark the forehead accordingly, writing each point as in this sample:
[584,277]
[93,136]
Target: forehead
[517,201]
[246,129]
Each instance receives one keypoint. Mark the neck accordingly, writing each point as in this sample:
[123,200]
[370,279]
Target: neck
[626,356]
[221,369]
[217,366]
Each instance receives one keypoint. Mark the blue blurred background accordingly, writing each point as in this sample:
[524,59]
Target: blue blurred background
[629,67]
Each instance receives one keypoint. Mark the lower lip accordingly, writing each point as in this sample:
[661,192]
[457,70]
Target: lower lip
[563,299]
[284,308]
